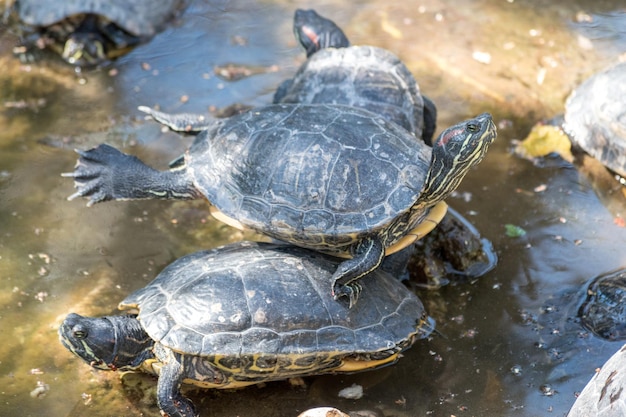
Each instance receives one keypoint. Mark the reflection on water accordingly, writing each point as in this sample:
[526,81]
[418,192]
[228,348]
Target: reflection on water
[507,344]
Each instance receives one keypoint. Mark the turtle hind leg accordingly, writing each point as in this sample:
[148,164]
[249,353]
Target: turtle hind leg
[170,400]
[367,256]
[105,173]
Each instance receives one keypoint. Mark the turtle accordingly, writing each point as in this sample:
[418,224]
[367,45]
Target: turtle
[363,76]
[602,396]
[603,309]
[247,313]
[90,32]
[594,122]
[333,178]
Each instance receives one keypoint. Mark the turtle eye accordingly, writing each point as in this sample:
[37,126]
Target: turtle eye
[473,127]
[79,333]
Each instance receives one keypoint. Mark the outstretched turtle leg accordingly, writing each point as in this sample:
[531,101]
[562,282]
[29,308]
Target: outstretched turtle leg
[430,121]
[170,400]
[181,122]
[104,173]
[367,256]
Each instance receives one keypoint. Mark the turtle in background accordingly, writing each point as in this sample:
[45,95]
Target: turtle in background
[361,76]
[337,179]
[603,310]
[591,135]
[603,395]
[248,313]
[90,32]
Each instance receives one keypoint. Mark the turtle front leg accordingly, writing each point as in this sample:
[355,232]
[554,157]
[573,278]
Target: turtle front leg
[104,173]
[170,400]
[367,256]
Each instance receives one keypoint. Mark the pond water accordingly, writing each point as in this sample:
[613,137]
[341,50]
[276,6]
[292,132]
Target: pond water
[506,345]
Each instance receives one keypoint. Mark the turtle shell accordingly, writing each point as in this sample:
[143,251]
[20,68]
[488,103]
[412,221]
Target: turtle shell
[360,76]
[318,176]
[603,394]
[138,17]
[251,300]
[603,310]
[595,117]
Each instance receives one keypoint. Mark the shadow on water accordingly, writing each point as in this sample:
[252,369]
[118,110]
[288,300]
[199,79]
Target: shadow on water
[507,344]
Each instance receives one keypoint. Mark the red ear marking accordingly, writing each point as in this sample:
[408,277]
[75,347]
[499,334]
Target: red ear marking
[443,141]
[311,35]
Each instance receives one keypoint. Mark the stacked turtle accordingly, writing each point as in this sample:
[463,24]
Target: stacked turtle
[359,76]
[333,180]
[244,314]
[377,80]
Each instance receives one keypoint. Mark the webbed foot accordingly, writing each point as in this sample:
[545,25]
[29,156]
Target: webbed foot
[351,291]
[367,256]
[104,173]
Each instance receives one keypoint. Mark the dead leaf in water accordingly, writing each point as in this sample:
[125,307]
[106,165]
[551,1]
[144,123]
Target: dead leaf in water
[235,72]
[544,140]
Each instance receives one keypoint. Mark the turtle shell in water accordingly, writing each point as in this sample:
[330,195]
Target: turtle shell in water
[595,117]
[603,310]
[259,301]
[604,395]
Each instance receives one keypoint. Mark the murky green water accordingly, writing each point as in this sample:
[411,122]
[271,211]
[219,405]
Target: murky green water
[58,256]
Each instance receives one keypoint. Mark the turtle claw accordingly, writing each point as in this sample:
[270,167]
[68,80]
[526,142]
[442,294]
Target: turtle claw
[350,290]
[93,174]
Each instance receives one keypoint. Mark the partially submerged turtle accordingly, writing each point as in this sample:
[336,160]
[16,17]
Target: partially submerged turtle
[89,32]
[603,310]
[604,396]
[248,313]
[363,76]
[332,178]
[594,121]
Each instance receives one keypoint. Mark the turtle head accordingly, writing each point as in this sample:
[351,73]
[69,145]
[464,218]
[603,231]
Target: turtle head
[315,32]
[109,343]
[84,49]
[455,151]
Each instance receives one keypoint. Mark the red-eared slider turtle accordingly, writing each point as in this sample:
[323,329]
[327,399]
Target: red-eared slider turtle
[604,395]
[332,178]
[362,76]
[244,314]
[603,310]
[88,32]
[594,121]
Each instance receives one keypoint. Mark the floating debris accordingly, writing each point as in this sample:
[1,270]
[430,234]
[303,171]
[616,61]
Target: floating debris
[41,390]
[353,392]
[236,72]
[323,412]
[514,231]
